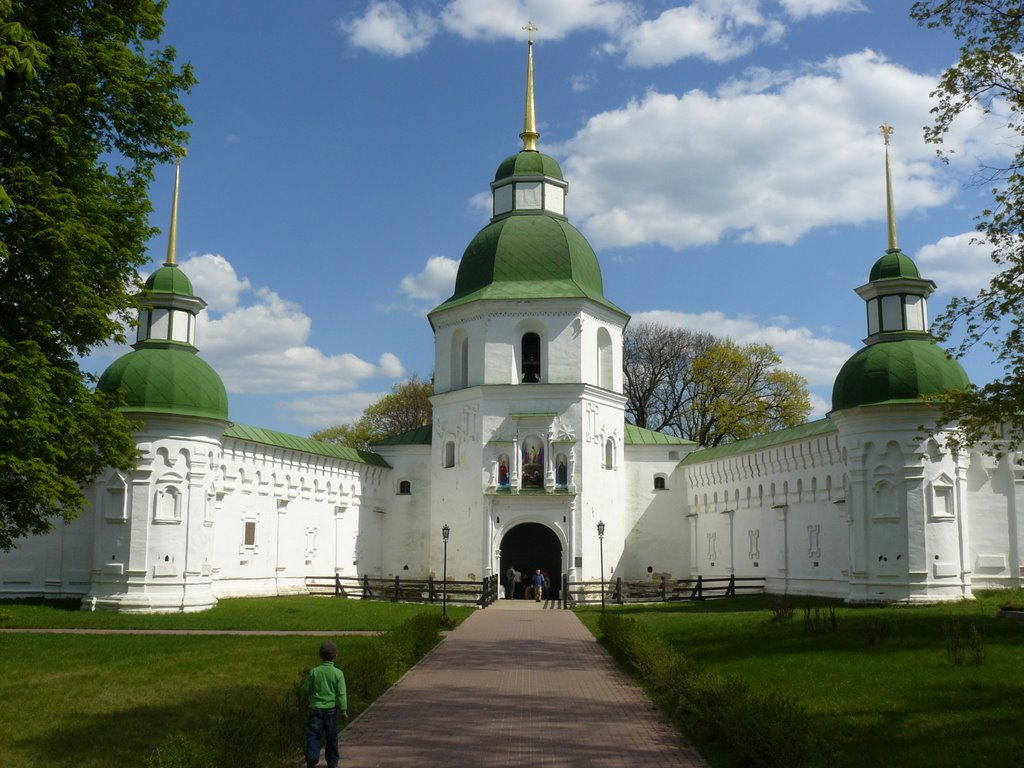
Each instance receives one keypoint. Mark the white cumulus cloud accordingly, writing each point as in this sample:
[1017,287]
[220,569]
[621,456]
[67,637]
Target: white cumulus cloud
[388,28]
[765,159]
[801,9]
[435,282]
[956,263]
[715,31]
[257,340]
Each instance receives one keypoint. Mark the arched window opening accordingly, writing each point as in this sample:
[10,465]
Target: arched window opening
[604,359]
[404,487]
[464,363]
[530,349]
[659,483]
[459,359]
[449,454]
[609,454]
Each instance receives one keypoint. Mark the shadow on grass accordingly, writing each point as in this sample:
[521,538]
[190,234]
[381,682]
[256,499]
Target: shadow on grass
[250,722]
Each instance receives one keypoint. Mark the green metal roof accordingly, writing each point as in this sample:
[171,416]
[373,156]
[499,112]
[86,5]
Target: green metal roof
[305,444]
[168,379]
[528,163]
[759,443]
[639,436]
[419,436]
[896,371]
[529,255]
[894,264]
[169,279]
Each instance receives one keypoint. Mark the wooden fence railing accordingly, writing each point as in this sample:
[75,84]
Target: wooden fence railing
[399,590]
[619,591]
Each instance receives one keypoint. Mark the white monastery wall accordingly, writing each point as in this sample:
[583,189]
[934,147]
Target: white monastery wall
[772,513]
[657,540]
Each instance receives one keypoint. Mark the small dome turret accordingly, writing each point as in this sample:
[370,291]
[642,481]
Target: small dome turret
[900,361]
[164,375]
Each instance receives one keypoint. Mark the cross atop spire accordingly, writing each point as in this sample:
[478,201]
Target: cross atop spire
[530,28]
[890,208]
[529,134]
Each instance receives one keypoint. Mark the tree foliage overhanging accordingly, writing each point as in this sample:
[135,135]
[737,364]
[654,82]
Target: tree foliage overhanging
[405,408]
[988,76]
[88,106]
[706,389]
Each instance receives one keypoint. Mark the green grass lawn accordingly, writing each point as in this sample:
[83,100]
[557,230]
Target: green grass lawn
[880,686]
[262,613]
[95,701]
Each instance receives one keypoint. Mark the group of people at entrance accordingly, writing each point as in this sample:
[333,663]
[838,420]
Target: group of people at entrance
[536,585]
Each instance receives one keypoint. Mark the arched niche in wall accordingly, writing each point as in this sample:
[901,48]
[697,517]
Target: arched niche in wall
[533,462]
[605,363]
[459,360]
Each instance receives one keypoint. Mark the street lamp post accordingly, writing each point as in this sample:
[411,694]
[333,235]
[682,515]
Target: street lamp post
[600,538]
[445,530]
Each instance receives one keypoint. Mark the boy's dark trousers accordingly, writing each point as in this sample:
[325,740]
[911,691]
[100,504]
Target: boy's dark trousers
[322,729]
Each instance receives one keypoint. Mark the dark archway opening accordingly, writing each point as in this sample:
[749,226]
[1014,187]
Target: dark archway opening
[527,547]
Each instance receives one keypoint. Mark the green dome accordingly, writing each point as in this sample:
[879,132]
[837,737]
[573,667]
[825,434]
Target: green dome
[528,163]
[894,264]
[169,279]
[167,380]
[904,370]
[529,256]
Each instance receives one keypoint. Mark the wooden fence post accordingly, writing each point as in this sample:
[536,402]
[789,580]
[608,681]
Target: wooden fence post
[431,594]
[337,585]
[398,583]
[698,590]
[366,587]
[664,594]
[618,590]
[730,591]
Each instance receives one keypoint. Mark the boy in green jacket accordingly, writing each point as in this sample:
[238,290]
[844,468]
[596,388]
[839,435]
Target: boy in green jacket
[324,689]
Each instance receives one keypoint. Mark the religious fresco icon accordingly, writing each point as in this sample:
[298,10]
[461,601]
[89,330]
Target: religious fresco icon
[533,463]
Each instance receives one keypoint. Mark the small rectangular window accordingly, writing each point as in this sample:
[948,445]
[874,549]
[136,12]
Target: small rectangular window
[250,533]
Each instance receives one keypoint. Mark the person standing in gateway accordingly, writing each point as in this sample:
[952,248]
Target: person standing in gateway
[510,583]
[538,585]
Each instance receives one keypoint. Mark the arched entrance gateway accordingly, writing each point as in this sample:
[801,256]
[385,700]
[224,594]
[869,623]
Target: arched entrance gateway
[529,546]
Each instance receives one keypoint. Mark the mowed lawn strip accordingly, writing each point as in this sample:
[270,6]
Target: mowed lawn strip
[270,614]
[94,701]
[880,685]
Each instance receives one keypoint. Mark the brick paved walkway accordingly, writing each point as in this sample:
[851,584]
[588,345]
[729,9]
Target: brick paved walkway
[515,685]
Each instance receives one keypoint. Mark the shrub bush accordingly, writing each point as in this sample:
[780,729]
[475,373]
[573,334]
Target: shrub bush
[752,728]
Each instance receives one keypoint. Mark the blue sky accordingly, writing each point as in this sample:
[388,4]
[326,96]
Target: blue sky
[724,159]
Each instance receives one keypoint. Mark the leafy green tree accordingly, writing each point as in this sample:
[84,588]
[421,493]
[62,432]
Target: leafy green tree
[706,389]
[88,106]
[406,407]
[737,392]
[989,76]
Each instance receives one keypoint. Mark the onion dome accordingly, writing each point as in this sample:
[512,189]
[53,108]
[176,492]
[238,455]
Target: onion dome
[906,370]
[529,250]
[900,361]
[164,374]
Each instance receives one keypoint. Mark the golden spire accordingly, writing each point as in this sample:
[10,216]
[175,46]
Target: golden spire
[529,134]
[172,231]
[890,208]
